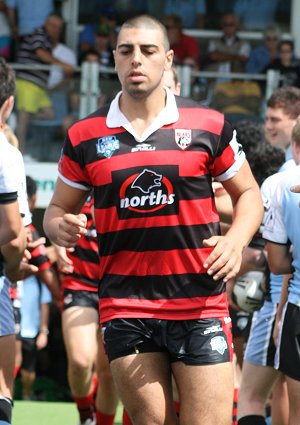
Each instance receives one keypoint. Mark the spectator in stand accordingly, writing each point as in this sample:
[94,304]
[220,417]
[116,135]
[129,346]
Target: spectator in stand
[192,11]
[100,36]
[264,54]
[255,14]
[59,78]
[229,48]
[32,98]
[238,99]
[185,47]
[27,15]
[287,64]
[5,32]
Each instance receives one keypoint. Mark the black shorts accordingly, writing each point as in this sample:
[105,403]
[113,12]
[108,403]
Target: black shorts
[241,323]
[193,342]
[29,354]
[80,298]
[17,317]
[288,354]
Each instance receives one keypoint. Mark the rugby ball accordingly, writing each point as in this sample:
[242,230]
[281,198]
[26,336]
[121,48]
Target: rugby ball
[248,291]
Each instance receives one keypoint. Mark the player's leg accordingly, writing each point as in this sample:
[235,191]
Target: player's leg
[280,402]
[7,352]
[256,385]
[205,392]
[28,366]
[258,373]
[143,382]
[294,399]
[79,325]
[107,399]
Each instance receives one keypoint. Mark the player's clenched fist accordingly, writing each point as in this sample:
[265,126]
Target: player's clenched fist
[71,228]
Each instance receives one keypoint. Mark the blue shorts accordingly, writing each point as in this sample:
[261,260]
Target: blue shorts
[7,322]
[260,348]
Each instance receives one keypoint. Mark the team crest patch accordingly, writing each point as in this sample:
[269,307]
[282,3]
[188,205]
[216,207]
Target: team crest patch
[183,138]
[107,145]
[218,344]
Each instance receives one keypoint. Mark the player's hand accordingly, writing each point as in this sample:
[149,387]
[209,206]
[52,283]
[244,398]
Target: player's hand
[224,261]
[64,263]
[71,228]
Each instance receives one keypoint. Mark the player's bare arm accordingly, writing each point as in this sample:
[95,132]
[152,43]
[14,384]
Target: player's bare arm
[225,260]
[279,258]
[63,222]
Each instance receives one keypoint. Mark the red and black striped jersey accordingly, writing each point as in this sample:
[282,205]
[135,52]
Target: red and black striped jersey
[154,205]
[85,257]
[39,256]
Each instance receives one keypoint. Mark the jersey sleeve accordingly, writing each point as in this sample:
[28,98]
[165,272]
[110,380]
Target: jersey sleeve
[272,193]
[229,155]
[71,166]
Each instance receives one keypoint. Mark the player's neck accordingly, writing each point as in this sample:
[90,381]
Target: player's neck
[141,113]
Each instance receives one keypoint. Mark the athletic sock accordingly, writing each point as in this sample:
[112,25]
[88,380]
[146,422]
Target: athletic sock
[85,406]
[252,420]
[16,371]
[177,407]
[104,418]
[235,406]
[6,405]
[126,418]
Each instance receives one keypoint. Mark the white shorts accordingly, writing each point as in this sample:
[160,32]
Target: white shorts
[260,348]
[7,323]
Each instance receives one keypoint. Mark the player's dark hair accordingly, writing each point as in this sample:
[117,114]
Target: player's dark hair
[7,81]
[31,187]
[147,22]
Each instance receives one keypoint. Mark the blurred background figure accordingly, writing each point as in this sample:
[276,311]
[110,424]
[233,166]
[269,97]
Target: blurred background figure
[255,14]
[5,32]
[264,54]
[287,64]
[229,48]
[185,47]
[27,15]
[32,99]
[192,11]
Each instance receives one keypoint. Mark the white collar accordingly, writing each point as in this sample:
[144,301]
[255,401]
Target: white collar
[168,115]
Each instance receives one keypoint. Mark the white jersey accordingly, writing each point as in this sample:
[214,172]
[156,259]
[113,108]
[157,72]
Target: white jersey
[12,176]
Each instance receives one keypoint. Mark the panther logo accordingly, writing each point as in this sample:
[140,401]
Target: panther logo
[147,180]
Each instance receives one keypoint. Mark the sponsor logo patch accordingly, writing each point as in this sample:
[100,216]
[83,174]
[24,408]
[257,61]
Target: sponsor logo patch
[147,191]
[143,147]
[183,138]
[106,146]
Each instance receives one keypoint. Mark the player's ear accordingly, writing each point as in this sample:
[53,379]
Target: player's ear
[169,59]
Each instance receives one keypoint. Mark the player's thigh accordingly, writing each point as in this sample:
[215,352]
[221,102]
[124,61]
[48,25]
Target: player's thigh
[205,393]
[80,325]
[293,387]
[102,362]
[143,382]
[7,361]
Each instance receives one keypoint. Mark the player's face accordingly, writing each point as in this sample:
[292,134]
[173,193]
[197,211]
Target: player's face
[278,127]
[141,60]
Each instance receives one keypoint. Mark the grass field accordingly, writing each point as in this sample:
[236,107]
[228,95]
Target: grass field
[49,413]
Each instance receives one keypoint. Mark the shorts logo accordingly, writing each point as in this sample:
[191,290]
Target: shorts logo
[147,191]
[68,299]
[183,138]
[218,344]
[106,146]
